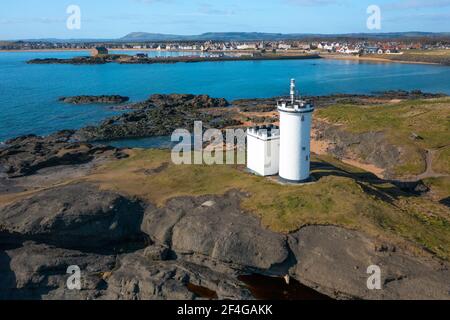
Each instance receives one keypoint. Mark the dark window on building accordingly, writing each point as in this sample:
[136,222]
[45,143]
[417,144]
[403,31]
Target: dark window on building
[304,148]
[307,158]
[303,118]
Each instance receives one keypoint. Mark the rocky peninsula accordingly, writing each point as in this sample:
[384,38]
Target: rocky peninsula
[103,99]
[140,227]
[127,59]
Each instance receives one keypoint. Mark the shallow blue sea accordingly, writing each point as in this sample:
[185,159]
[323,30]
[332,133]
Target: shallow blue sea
[29,93]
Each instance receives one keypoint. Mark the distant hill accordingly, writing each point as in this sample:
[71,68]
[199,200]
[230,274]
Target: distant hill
[249,36]
[145,36]
[222,36]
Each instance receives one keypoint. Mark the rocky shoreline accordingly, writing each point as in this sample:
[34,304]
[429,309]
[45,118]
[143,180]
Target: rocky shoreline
[160,115]
[131,248]
[28,154]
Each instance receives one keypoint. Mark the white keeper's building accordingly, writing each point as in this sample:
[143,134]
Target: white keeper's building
[263,148]
[283,150]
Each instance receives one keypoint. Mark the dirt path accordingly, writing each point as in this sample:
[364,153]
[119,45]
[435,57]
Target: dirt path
[429,172]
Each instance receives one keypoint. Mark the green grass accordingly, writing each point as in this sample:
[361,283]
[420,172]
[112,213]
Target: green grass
[427,56]
[430,119]
[437,52]
[442,161]
[337,198]
[413,160]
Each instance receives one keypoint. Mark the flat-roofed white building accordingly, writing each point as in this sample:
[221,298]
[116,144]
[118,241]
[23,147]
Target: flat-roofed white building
[263,146]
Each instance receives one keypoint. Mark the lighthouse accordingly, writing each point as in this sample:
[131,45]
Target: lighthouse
[295,137]
[283,149]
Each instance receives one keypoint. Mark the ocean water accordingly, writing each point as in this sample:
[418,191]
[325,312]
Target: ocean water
[29,93]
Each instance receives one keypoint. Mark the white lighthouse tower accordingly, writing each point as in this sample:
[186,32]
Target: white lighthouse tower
[295,137]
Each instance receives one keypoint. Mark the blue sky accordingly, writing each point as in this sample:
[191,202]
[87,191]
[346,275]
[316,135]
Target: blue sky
[22,19]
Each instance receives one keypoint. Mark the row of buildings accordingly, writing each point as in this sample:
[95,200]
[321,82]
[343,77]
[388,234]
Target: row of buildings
[347,47]
[353,46]
[362,48]
[231,46]
[375,47]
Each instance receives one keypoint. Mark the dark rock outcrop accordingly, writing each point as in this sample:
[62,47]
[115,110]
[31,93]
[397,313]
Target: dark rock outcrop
[139,278]
[27,154]
[269,104]
[216,227]
[335,261]
[80,217]
[103,99]
[75,61]
[189,101]
[74,216]
[160,115]
[39,271]
[409,95]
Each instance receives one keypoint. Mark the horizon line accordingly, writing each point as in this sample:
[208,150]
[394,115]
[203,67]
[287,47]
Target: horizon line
[228,32]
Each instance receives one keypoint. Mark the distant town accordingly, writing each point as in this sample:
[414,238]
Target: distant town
[352,46]
[402,47]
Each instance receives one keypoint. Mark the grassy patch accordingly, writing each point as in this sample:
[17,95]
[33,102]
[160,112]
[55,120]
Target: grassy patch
[413,161]
[337,198]
[437,52]
[441,56]
[441,163]
[429,221]
[427,118]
